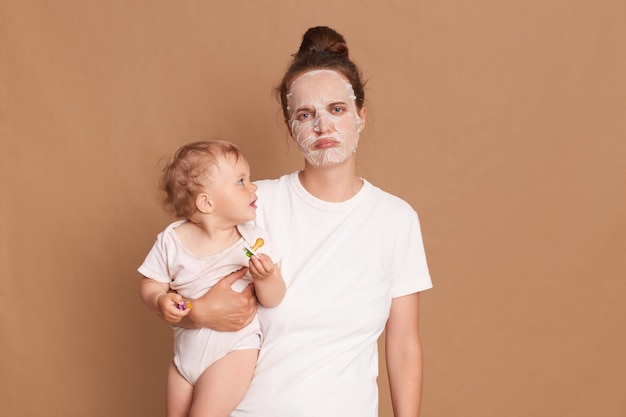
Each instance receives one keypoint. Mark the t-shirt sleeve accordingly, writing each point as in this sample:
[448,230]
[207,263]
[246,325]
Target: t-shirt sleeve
[410,269]
[155,266]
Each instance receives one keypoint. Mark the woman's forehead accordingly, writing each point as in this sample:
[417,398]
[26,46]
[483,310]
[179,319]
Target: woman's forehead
[319,86]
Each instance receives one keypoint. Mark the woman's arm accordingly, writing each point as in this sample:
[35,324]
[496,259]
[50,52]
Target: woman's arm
[221,308]
[404,356]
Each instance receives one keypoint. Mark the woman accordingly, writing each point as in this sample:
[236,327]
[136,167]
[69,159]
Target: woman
[353,261]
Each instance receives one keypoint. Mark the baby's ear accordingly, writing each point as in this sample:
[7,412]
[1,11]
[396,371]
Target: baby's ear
[204,203]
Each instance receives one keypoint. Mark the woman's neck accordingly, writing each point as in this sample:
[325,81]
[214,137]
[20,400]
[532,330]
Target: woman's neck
[332,183]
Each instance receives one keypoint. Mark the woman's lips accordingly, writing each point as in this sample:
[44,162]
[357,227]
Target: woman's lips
[326,143]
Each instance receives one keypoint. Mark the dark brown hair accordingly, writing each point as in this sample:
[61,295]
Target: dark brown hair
[322,48]
[188,172]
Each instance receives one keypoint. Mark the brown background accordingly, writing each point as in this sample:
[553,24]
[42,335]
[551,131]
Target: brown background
[502,122]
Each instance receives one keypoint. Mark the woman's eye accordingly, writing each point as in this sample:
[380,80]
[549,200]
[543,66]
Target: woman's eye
[338,109]
[303,116]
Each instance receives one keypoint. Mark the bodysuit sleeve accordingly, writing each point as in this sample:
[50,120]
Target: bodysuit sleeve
[155,266]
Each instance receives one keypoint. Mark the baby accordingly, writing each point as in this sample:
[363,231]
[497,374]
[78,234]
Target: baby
[207,185]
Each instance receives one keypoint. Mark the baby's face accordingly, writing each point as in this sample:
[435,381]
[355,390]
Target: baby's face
[232,194]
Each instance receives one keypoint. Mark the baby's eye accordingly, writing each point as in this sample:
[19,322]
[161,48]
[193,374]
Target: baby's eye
[240,182]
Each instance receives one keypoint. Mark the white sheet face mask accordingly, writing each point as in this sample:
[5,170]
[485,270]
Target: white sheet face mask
[324,119]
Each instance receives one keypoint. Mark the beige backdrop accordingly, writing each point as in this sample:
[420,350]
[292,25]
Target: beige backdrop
[502,122]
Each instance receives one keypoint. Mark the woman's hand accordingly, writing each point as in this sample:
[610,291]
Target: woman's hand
[222,308]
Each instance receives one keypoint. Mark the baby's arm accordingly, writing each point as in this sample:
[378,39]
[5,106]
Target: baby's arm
[269,285]
[156,296]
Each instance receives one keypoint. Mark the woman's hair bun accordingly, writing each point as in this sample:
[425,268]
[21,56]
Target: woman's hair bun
[322,40]
[322,48]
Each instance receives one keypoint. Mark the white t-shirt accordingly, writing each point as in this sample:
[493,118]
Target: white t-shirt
[342,263]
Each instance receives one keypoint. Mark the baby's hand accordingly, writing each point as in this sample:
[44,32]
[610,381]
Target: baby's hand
[261,266]
[173,307]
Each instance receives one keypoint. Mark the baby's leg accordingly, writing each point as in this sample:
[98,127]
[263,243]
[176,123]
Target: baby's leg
[222,386]
[179,393]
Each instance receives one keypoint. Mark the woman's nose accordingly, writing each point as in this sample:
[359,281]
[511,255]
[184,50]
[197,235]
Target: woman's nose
[322,124]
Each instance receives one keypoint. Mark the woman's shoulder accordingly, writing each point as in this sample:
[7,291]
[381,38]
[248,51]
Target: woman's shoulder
[269,186]
[390,201]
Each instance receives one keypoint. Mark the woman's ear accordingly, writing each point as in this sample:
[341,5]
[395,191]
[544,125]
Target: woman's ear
[204,203]
[363,117]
